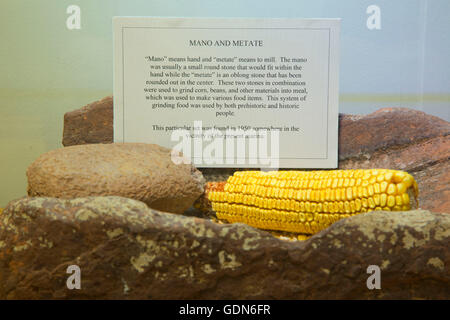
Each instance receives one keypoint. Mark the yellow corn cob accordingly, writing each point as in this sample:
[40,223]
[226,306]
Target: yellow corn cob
[309,201]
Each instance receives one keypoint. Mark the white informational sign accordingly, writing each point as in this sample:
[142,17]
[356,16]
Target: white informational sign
[230,92]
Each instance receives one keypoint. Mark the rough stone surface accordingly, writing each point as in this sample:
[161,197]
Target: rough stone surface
[402,139]
[394,138]
[128,251]
[362,135]
[91,124]
[134,170]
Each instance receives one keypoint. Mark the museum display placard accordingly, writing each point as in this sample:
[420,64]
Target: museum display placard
[230,92]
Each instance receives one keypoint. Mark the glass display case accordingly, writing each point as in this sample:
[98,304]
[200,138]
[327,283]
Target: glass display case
[57,56]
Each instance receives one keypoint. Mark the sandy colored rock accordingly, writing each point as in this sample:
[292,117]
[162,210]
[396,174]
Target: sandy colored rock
[127,251]
[139,171]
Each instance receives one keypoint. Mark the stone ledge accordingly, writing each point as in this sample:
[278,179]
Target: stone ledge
[127,251]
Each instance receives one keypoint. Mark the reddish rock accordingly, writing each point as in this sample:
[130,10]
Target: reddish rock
[393,138]
[91,124]
[401,139]
[434,184]
[360,136]
[127,251]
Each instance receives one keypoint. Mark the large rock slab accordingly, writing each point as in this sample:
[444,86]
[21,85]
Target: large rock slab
[393,138]
[126,250]
[134,170]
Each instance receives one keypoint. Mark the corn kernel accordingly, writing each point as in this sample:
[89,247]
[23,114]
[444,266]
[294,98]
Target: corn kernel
[371,203]
[316,184]
[383,199]
[405,198]
[399,176]
[343,194]
[358,205]
[349,194]
[346,182]
[319,207]
[365,193]
[347,206]
[388,176]
[308,206]
[376,199]
[376,188]
[360,192]
[335,183]
[370,190]
[364,202]
[352,206]
[401,188]
[391,189]
[408,180]
[338,194]
[391,201]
